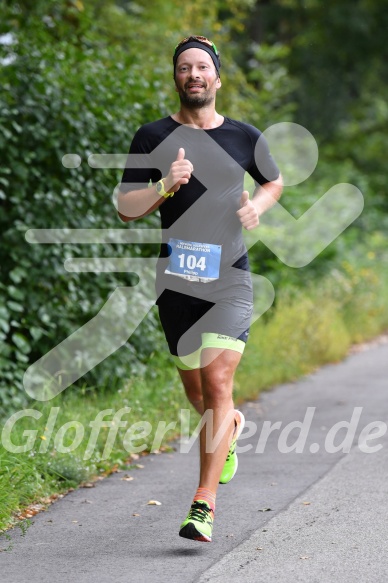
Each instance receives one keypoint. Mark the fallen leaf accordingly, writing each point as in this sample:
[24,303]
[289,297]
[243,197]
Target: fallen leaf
[265,510]
[154,503]
[304,557]
[306,503]
[127,478]
[167,448]
[135,514]
[259,548]
[139,466]
[75,521]
[135,456]
[88,485]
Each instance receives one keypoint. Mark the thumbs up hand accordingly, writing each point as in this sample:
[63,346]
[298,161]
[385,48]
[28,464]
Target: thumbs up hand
[180,172]
[248,214]
[181,154]
[244,198]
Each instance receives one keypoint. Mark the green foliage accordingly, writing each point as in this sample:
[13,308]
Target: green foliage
[315,325]
[338,59]
[307,328]
[78,77]
[33,475]
[43,116]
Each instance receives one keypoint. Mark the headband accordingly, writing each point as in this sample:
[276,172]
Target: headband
[198,45]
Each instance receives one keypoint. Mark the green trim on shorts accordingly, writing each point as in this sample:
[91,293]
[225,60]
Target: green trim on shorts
[214,340]
[209,340]
[190,361]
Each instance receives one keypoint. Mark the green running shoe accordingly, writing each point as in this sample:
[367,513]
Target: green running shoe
[231,463]
[199,522]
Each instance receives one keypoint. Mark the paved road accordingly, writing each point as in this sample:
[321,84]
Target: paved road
[328,511]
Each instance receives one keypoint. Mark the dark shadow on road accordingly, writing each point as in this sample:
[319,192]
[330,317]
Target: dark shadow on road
[183,552]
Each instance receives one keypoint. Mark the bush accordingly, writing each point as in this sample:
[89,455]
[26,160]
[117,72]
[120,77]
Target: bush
[77,78]
[43,116]
[314,326]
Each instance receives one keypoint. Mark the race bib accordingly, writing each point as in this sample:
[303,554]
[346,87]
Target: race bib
[194,261]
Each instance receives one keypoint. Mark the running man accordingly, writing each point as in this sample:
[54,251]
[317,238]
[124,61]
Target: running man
[203,283]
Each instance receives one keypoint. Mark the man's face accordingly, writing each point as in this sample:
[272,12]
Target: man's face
[196,78]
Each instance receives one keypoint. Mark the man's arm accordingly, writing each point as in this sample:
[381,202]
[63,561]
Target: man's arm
[139,203]
[264,197]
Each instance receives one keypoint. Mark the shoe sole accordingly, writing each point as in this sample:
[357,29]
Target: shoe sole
[189,531]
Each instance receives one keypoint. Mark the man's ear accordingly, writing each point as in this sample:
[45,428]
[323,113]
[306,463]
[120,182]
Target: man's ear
[218,82]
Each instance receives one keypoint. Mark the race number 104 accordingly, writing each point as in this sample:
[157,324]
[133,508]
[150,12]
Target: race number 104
[192,262]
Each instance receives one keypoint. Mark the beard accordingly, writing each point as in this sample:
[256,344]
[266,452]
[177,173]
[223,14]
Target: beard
[195,100]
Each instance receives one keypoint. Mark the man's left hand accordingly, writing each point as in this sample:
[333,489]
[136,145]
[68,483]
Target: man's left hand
[248,215]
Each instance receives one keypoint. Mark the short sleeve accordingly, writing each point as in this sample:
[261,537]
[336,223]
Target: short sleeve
[263,167]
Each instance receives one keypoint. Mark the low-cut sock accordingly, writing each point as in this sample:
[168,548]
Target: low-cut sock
[207,496]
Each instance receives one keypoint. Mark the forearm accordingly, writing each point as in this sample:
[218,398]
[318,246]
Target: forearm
[138,203]
[265,196]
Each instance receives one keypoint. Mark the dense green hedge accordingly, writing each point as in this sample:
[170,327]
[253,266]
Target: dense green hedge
[76,78]
[59,97]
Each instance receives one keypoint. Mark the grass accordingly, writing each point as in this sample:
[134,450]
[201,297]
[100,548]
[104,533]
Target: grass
[312,327]
[45,467]
[307,328]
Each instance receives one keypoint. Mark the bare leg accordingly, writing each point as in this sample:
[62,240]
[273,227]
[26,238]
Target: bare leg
[217,387]
[210,389]
[192,383]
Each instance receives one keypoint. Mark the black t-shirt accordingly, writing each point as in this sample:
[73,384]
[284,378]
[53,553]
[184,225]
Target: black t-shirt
[204,210]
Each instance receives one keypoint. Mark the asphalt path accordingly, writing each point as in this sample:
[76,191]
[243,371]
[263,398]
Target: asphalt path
[315,515]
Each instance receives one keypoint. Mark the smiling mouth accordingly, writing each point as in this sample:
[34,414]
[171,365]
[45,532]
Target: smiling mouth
[196,86]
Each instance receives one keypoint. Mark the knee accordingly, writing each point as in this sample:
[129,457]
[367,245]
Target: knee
[217,387]
[214,377]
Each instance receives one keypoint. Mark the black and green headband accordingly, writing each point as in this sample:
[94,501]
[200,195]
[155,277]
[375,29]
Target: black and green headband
[196,44]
